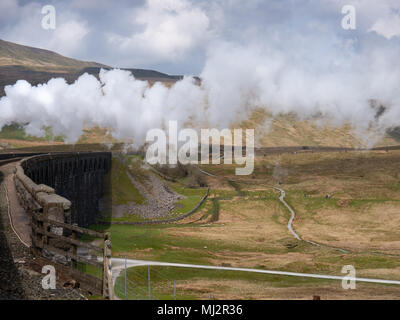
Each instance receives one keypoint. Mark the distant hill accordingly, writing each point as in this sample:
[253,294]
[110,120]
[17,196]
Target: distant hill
[142,74]
[38,66]
[12,54]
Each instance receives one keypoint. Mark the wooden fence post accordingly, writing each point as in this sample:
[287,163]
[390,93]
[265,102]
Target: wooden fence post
[74,236]
[108,289]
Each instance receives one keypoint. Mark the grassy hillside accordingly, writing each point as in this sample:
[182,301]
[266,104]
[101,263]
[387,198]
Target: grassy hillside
[288,130]
[12,54]
[250,230]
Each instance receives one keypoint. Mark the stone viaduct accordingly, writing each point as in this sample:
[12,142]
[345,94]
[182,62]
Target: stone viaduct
[78,177]
[61,194]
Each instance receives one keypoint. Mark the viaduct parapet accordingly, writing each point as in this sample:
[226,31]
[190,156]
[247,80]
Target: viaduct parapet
[60,193]
[78,177]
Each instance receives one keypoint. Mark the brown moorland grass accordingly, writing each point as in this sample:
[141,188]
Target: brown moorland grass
[251,290]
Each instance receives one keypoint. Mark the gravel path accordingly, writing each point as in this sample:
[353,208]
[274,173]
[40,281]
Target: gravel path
[290,223]
[159,199]
[293,215]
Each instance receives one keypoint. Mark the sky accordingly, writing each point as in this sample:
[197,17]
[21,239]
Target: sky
[179,36]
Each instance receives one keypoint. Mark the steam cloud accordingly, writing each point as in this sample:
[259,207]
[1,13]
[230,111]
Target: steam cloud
[309,76]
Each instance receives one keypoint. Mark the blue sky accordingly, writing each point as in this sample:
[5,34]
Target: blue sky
[178,36]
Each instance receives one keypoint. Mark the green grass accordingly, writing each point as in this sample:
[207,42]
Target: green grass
[90,269]
[123,191]
[16,131]
[223,194]
[128,239]
[237,187]
[358,204]
[394,186]
[95,297]
[314,202]
[13,131]
[188,203]
[219,170]
[365,261]
[209,209]
[215,210]
[135,168]
[192,197]
[162,278]
[126,218]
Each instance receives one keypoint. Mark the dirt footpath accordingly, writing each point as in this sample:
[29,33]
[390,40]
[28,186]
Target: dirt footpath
[17,214]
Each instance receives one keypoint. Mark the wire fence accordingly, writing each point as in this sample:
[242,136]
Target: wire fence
[176,283]
[144,284]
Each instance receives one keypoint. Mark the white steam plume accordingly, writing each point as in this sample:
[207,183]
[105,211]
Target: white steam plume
[303,75]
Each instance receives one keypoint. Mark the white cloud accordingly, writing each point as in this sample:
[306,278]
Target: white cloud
[171,29]
[68,37]
[387,27]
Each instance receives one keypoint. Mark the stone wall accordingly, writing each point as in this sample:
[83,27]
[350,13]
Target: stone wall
[40,198]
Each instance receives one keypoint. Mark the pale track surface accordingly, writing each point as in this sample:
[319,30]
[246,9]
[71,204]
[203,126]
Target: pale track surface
[293,214]
[19,220]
